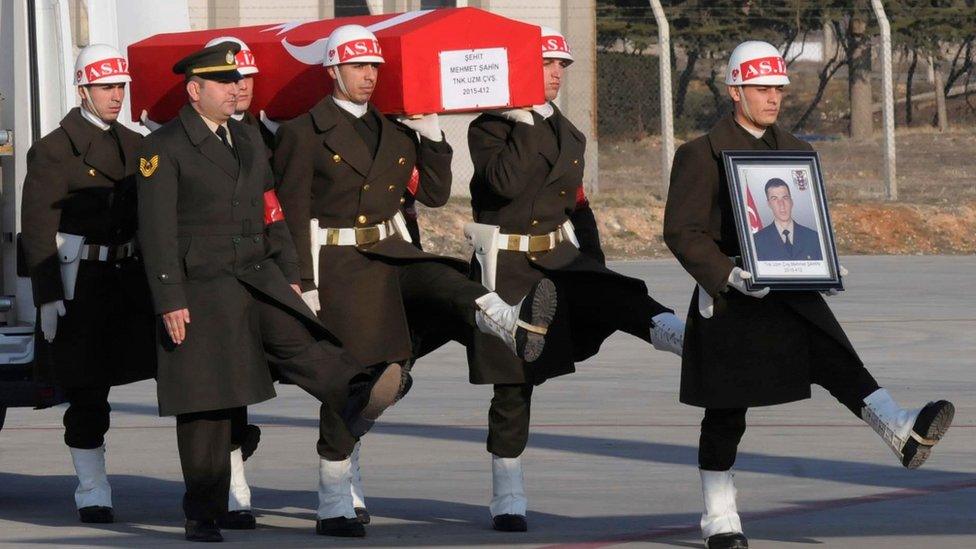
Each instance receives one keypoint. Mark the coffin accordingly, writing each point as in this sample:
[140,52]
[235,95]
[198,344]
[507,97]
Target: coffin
[437,61]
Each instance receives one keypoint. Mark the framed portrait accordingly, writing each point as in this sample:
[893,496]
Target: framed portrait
[781,217]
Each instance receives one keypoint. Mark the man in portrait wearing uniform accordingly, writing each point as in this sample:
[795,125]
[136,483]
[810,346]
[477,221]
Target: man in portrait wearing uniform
[95,324]
[533,221]
[224,278]
[748,347]
[784,239]
[343,169]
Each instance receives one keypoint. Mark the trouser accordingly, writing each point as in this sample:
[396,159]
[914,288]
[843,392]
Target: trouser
[508,420]
[440,291]
[320,368]
[833,368]
[87,418]
[600,302]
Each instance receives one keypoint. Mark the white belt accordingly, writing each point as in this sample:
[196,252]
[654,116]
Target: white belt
[91,252]
[529,243]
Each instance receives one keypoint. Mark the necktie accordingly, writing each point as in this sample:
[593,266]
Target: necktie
[787,241]
[222,134]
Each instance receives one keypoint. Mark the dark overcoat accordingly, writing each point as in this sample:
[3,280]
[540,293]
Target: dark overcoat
[206,247]
[751,352]
[81,180]
[326,172]
[526,179]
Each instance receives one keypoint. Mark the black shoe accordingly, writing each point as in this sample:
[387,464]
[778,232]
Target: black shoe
[238,520]
[362,515]
[732,540]
[340,527]
[366,404]
[96,514]
[535,315]
[930,426]
[202,530]
[509,523]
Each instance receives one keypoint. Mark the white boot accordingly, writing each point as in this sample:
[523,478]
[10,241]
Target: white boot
[335,489]
[93,488]
[239,498]
[721,515]
[358,497]
[668,333]
[521,327]
[910,437]
[507,487]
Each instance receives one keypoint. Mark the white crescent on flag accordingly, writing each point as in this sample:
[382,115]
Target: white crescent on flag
[314,53]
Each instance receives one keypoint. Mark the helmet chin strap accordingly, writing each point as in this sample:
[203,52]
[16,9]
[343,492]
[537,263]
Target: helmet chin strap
[745,109]
[88,104]
[341,84]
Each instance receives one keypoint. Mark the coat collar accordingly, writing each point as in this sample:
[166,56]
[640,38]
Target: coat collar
[571,144]
[726,135]
[208,143]
[341,137]
[98,148]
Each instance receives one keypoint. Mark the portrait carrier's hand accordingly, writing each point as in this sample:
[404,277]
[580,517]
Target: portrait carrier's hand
[737,280]
[833,291]
[175,323]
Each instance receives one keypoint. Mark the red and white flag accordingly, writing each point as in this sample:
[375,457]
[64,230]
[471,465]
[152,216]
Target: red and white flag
[755,224]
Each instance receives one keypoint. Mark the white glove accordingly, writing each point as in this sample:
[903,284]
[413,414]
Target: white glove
[737,280]
[144,118]
[428,126]
[833,291]
[49,318]
[518,115]
[311,298]
[268,123]
[706,305]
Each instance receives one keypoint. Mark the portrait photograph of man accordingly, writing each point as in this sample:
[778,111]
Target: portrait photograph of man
[785,239]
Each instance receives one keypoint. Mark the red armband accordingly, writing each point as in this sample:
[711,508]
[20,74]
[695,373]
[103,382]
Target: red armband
[414,184]
[581,200]
[272,208]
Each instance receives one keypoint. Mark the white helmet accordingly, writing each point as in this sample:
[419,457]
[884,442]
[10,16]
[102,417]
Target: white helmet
[756,63]
[101,64]
[246,64]
[352,44]
[554,45]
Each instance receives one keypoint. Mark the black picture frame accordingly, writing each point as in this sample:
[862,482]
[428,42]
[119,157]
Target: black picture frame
[788,183]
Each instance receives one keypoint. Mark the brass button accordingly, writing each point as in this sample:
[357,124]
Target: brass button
[402,161]
[163,276]
[361,219]
[402,200]
[562,193]
[257,267]
[575,161]
[91,172]
[532,257]
[336,158]
[535,222]
[392,187]
[366,187]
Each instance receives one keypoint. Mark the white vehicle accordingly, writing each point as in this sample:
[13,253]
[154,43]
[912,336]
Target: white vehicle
[38,43]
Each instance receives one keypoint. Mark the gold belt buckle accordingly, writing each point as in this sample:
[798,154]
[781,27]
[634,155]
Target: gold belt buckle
[540,243]
[513,242]
[367,235]
[331,237]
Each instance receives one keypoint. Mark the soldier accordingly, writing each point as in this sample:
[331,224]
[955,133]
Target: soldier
[247,65]
[95,322]
[747,348]
[527,198]
[224,277]
[343,169]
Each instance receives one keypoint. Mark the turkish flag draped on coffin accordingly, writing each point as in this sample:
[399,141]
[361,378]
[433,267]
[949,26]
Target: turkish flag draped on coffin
[437,61]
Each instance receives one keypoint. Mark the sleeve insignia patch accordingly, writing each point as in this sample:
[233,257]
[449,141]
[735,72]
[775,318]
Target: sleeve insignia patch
[148,167]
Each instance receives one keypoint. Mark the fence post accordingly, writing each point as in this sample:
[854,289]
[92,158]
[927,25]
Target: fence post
[667,105]
[888,98]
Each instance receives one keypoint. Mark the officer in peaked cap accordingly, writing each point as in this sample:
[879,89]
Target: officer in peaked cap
[224,277]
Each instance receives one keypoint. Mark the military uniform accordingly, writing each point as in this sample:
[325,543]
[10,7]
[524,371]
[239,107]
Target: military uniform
[267,137]
[346,172]
[80,181]
[751,352]
[528,181]
[207,250]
